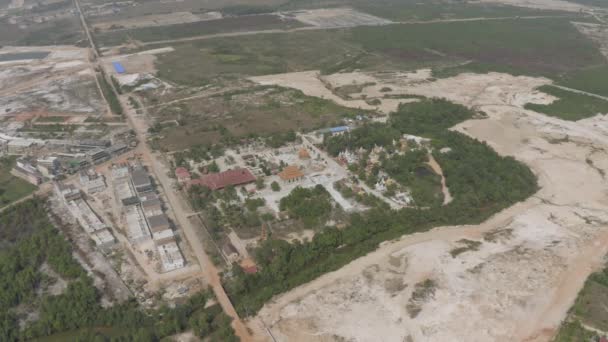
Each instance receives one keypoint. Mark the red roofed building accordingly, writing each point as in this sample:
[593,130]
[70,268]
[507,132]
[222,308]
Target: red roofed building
[217,181]
[182,175]
[250,269]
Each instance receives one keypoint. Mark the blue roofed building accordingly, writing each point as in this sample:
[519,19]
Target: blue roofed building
[118,67]
[333,130]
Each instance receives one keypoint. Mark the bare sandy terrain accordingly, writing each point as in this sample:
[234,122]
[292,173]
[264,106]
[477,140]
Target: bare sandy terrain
[336,17]
[531,261]
[312,83]
[388,87]
[61,82]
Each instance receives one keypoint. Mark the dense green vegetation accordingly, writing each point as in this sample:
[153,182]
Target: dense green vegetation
[550,47]
[28,241]
[543,46]
[411,170]
[570,106]
[481,181]
[11,187]
[110,95]
[312,206]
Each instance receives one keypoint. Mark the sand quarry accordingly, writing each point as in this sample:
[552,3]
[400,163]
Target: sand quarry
[531,259]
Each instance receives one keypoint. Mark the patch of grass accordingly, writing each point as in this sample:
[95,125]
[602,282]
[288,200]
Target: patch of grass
[110,95]
[432,10]
[588,310]
[346,90]
[570,106]
[423,291]
[592,80]
[574,332]
[538,47]
[225,25]
[11,187]
[250,112]
[469,245]
[545,47]
[65,31]
[51,119]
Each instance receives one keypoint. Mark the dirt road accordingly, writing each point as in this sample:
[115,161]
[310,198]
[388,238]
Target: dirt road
[581,92]
[181,210]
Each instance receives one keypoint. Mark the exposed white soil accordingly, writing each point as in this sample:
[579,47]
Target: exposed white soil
[465,87]
[336,17]
[533,259]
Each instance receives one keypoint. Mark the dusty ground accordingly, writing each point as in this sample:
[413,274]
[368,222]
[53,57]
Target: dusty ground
[63,82]
[336,17]
[391,89]
[525,274]
[312,83]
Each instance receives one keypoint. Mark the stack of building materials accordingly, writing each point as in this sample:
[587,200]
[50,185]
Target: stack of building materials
[91,181]
[98,231]
[170,255]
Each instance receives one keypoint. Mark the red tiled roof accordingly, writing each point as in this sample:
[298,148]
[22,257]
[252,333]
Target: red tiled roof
[216,181]
[250,269]
[182,172]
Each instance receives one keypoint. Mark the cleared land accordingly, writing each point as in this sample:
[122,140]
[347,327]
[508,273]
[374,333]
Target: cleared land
[11,187]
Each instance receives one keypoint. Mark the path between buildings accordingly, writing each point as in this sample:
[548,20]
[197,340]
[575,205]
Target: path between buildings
[181,209]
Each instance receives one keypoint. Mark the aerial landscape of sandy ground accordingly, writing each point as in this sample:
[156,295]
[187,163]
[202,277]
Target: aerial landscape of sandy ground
[532,259]
[304,170]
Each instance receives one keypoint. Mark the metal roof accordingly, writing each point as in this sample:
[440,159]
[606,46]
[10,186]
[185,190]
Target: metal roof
[118,67]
